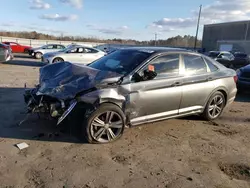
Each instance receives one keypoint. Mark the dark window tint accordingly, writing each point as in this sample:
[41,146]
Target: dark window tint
[194,64]
[49,47]
[60,47]
[166,65]
[90,50]
[213,54]
[211,66]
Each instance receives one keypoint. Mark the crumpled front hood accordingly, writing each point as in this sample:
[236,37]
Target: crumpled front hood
[64,80]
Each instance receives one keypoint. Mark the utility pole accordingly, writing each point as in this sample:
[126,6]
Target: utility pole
[155,38]
[197,30]
[247,30]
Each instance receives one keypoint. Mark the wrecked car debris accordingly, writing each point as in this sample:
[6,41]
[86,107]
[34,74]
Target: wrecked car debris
[128,87]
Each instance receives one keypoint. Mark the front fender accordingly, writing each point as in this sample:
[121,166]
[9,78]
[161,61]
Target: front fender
[98,97]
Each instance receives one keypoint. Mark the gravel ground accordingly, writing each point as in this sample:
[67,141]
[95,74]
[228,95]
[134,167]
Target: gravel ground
[178,153]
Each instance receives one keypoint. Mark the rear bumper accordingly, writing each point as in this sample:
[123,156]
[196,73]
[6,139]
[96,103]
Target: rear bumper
[231,96]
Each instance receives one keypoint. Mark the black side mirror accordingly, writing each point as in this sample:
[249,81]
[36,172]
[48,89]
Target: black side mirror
[137,77]
[149,75]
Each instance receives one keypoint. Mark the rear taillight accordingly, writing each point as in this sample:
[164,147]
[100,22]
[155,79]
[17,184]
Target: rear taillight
[235,79]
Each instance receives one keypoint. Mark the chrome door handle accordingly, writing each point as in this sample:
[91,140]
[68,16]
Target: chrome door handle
[176,84]
[209,78]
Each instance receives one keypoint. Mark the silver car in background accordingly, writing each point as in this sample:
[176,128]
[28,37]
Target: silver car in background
[132,86]
[38,52]
[5,53]
[75,54]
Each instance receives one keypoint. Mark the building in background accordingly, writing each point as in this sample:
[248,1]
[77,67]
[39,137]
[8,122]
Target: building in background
[230,36]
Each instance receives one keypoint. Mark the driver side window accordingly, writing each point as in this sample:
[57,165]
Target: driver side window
[165,66]
[49,47]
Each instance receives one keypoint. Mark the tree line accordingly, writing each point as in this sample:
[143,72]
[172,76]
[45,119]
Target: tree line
[177,41]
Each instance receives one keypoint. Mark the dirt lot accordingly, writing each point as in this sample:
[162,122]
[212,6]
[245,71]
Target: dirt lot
[178,153]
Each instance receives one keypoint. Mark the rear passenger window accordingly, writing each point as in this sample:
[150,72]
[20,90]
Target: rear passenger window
[90,50]
[59,47]
[211,66]
[194,65]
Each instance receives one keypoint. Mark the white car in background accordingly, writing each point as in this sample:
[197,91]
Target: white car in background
[77,54]
[39,52]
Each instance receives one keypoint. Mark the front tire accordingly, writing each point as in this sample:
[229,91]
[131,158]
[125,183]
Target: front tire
[38,55]
[104,125]
[214,107]
[57,59]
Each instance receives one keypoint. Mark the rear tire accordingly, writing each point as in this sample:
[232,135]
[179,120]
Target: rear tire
[38,55]
[57,59]
[214,107]
[26,50]
[108,121]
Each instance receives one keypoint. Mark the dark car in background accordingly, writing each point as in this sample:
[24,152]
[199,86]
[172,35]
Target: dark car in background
[240,59]
[243,83]
[223,57]
[5,53]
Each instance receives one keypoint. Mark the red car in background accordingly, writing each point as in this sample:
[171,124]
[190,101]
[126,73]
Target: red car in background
[17,48]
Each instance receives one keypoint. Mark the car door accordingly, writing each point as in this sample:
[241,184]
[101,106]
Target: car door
[48,48]
[158,98]
[15,47]
[73,55]
[85,56]
[197,84]
[2,53]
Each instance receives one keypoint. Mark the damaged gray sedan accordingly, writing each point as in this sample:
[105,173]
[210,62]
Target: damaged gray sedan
[132,86]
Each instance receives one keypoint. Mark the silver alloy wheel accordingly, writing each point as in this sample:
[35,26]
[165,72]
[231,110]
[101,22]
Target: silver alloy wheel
[216,106]
[38,55]
[106,127]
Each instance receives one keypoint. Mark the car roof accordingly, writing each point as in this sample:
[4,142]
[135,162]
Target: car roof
[225,52]
[155,49]
[53,44]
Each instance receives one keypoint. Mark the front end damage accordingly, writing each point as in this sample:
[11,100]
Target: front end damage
[51,107]
[63,85]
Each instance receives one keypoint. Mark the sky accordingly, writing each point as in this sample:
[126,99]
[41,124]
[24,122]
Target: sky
[127,19]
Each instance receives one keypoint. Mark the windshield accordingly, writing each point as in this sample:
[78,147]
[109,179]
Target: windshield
[121,61]
[213,54]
